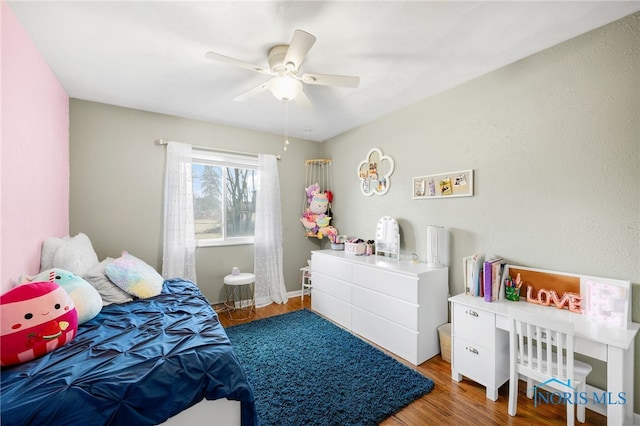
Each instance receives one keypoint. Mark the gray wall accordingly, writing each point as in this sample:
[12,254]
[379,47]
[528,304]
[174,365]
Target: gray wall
[555,145]
[554,141]
[117,174]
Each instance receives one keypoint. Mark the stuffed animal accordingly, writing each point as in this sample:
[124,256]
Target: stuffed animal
[319,203]
[311,190]
[86,298]
[323,220]
[329,231]
[308,224]
[35,319]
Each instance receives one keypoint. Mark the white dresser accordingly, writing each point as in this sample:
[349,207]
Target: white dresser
[396,304]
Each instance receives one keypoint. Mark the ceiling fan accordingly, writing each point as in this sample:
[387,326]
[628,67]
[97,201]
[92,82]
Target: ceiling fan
[284,65]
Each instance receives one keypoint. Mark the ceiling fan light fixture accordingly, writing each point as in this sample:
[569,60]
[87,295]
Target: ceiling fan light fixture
[285,88]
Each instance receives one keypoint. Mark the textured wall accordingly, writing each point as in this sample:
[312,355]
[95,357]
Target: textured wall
[554,140]
[34,153]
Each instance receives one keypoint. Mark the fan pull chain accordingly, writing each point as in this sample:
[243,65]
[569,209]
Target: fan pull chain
[286,125]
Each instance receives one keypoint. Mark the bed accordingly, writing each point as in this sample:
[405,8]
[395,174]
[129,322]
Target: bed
[141,363]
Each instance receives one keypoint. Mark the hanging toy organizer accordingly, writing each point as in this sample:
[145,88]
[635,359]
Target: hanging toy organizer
[316,210]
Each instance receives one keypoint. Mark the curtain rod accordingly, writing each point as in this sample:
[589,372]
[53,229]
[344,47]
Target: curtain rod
[208,148]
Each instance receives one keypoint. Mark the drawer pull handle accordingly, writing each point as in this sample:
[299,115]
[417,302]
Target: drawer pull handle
[472,313]
[473,350]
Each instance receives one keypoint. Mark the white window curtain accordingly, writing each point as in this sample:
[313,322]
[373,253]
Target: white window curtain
[179,245]
[267,255]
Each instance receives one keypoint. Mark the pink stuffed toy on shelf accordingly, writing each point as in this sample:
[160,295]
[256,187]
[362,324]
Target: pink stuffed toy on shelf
[317,215]
[311,190]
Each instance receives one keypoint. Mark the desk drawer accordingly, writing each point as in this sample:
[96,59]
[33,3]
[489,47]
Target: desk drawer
[474,325]
[473,361]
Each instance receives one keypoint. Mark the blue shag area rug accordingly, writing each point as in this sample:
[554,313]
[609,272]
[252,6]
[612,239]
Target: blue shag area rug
[308,371]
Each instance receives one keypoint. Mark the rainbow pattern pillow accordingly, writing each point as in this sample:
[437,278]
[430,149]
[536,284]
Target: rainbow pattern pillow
[134,276]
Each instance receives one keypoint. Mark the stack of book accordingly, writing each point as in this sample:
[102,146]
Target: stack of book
[483,276]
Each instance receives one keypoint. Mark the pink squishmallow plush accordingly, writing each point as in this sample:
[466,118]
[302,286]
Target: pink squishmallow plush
[35,319]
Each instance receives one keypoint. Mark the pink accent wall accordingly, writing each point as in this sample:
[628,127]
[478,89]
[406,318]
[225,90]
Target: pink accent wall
[34,153]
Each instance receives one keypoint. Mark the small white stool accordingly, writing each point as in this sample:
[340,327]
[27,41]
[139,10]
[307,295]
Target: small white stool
[240,294]
[306,280]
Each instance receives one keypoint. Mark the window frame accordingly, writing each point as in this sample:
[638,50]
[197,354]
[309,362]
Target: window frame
[232,160]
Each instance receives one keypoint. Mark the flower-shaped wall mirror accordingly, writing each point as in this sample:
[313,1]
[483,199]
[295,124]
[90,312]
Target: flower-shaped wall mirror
[375,172]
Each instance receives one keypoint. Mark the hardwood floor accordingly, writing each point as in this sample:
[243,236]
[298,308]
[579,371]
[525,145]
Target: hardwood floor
[451,403]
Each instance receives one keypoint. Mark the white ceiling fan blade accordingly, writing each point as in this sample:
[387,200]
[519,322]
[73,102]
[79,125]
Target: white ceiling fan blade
[251,93]
[300,44]
[332,80]
[237,62]
[302,100]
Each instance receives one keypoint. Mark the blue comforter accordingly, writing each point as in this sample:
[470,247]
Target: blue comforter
[137,363]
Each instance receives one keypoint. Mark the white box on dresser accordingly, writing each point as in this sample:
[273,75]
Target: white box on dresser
[396,304]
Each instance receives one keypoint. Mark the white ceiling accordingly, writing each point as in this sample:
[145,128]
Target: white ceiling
[149,55]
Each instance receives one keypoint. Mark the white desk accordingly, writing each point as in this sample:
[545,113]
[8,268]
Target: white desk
[482,356]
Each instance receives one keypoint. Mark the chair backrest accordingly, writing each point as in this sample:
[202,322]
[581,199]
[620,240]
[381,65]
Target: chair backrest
[542,348]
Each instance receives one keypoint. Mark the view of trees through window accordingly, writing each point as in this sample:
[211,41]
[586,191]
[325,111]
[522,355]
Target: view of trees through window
[224,201]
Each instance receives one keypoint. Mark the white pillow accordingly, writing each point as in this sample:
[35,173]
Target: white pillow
[76,255]
[109,292]
[49,249]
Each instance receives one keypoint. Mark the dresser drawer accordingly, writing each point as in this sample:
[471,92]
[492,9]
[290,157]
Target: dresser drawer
[391,336]
[335,309]
[474,325]
[332,267]
[392,284]
[395,310]
[332,286]
[474,361]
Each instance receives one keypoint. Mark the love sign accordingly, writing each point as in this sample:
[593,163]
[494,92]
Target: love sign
[571,301]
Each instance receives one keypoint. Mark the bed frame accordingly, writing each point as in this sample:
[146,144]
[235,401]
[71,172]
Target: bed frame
[227,413]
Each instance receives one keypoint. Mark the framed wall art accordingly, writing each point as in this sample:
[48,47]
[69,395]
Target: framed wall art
[443,185]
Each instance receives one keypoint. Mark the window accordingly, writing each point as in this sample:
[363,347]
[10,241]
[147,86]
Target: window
[224,197]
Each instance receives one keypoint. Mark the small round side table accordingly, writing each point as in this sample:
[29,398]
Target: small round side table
[240,295]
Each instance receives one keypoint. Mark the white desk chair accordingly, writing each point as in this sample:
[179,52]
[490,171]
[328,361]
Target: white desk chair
[306,279]
[541,349]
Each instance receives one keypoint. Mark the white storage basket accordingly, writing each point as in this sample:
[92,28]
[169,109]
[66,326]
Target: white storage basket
[355,248]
